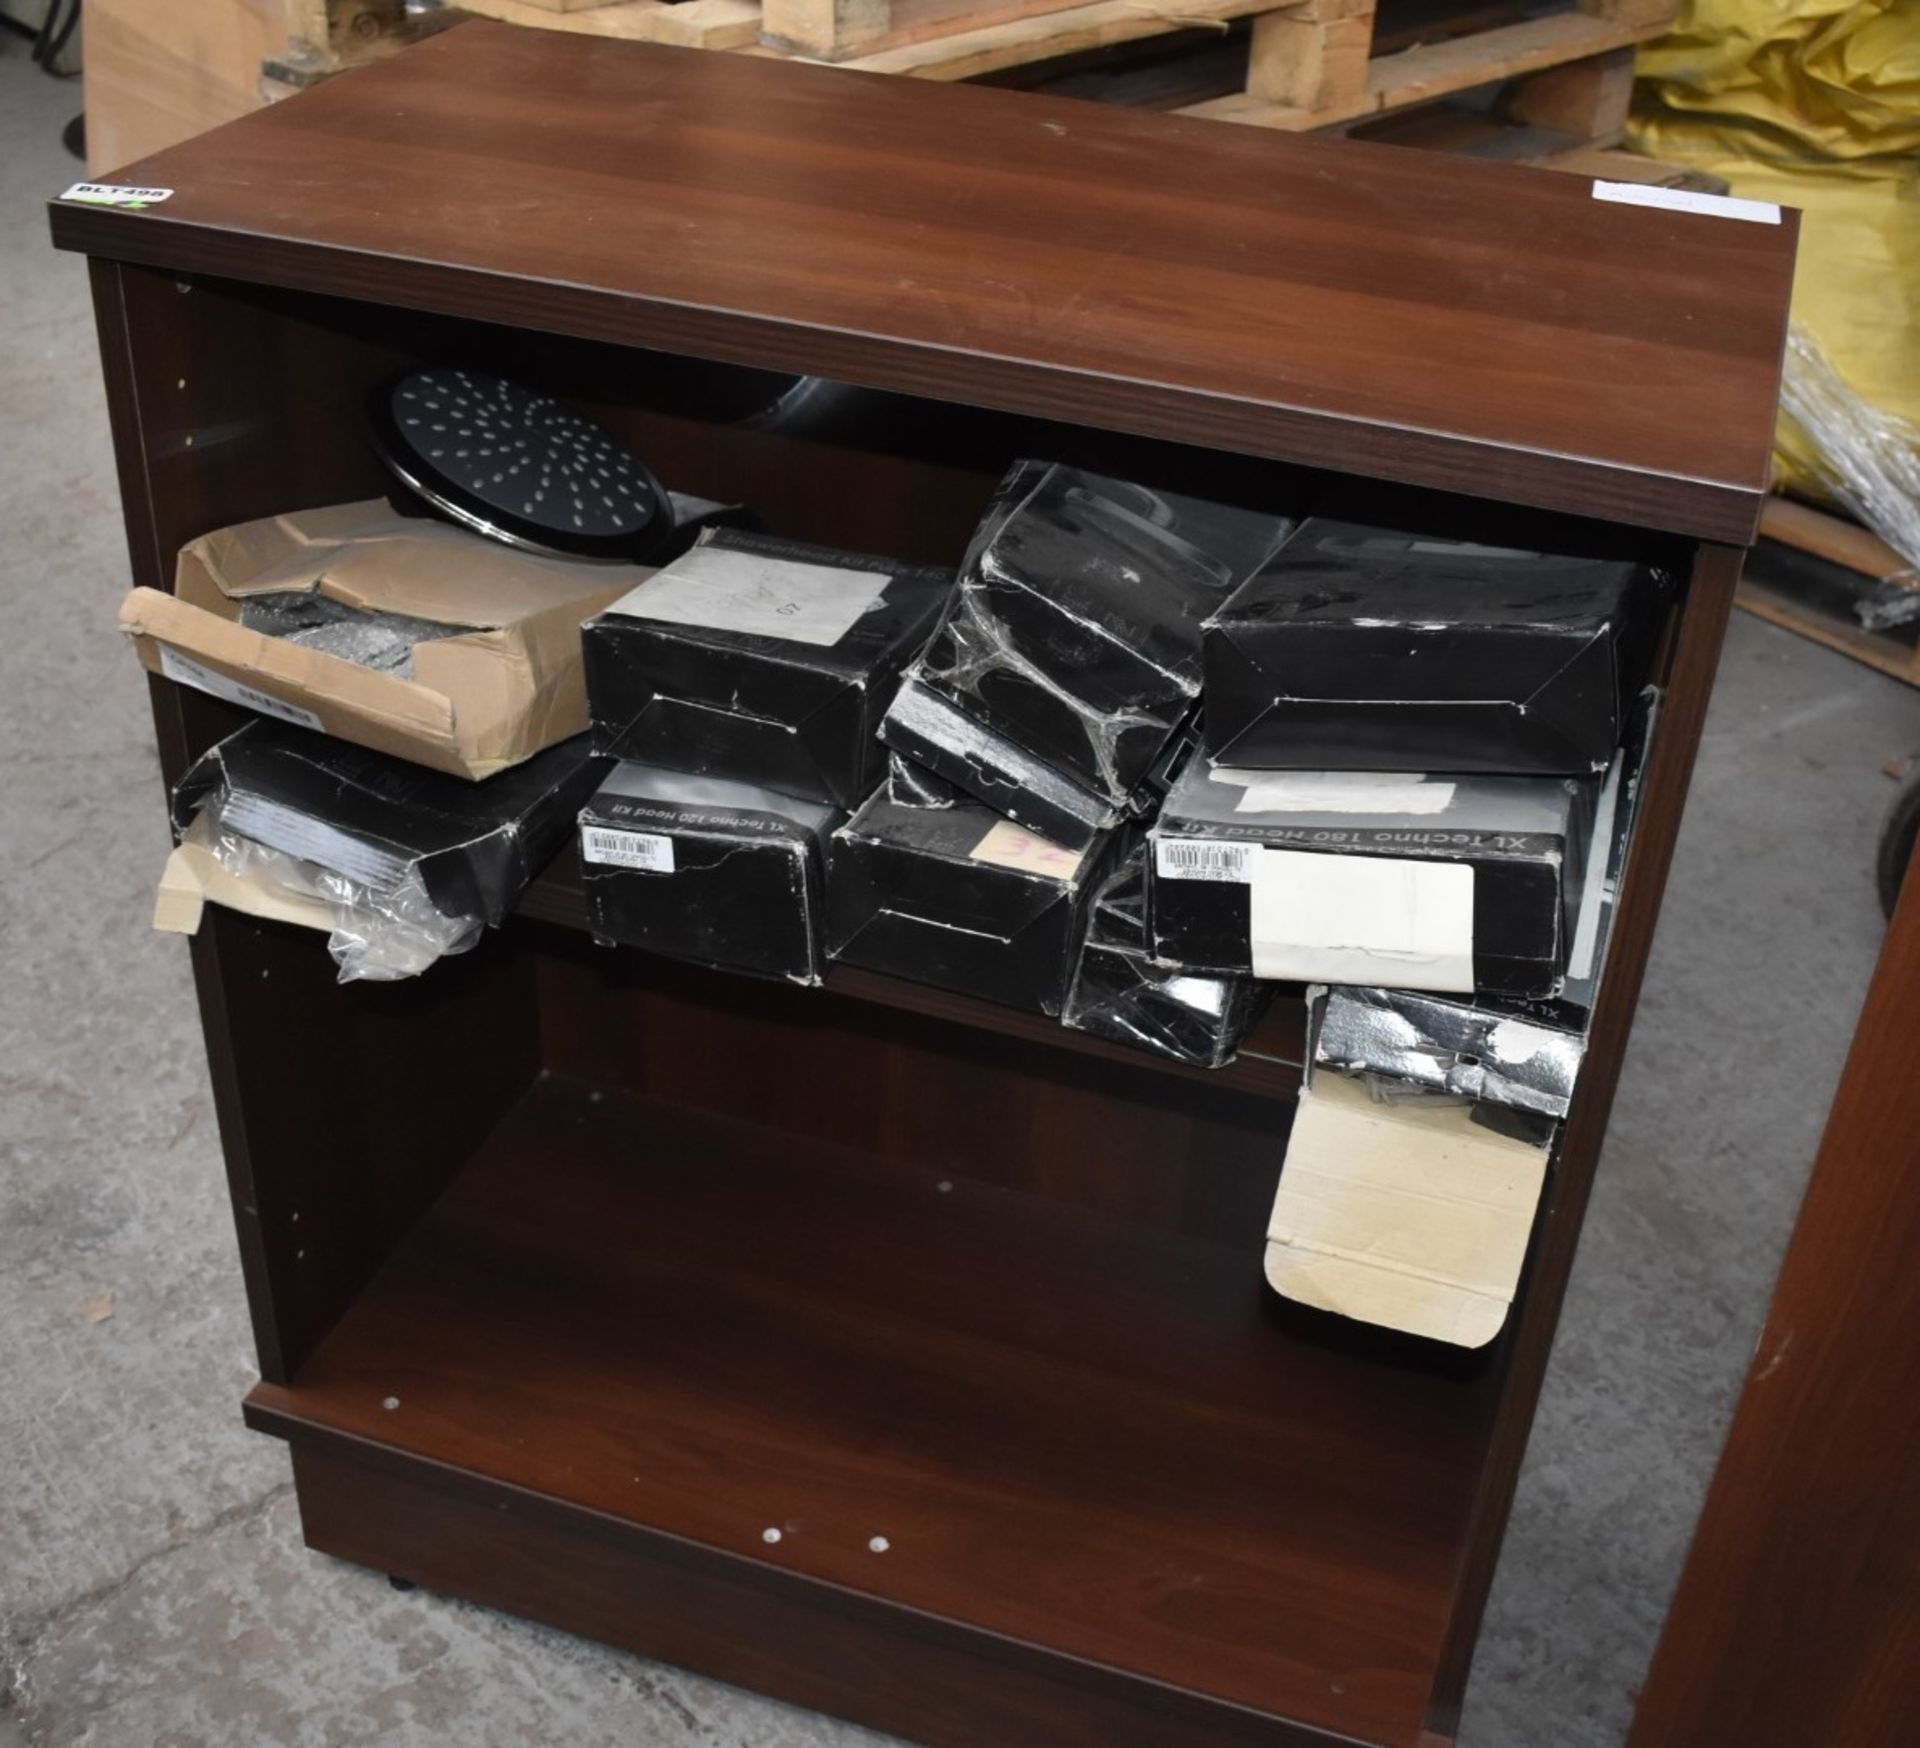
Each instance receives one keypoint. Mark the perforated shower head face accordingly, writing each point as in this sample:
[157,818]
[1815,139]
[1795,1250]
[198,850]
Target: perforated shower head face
[518,466]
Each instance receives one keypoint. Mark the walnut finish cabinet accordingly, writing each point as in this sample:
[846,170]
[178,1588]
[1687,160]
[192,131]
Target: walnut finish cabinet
[892,1353]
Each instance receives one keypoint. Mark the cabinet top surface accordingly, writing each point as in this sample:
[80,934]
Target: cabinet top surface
[1476,327]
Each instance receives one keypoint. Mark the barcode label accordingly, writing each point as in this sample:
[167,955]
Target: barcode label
[647,850]
[1203,859]
[190,673]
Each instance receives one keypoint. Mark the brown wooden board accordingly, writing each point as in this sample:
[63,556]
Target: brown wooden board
[1083,1434]
[1798,1615]
[1476,327]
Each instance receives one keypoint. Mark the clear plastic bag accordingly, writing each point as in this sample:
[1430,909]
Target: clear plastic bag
[378,937]
[1868,458]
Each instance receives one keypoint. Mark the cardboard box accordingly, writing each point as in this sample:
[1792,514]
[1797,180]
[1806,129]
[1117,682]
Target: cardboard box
[377,821]
[1452,884]
[1121,992]
[707,869]
[1408,1216]
[1360,648]
[507,685]
[1072,642]
[961,898]
[762,660]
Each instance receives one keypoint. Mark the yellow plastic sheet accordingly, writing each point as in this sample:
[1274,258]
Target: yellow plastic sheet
[1814,104]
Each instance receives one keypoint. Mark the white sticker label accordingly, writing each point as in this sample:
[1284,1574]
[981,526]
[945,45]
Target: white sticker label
[647,850]
[190,673]
[1203,859]
[725,589]
[111,194]
[1755,212]
[1335,792]
[1013,846]
[1362,919]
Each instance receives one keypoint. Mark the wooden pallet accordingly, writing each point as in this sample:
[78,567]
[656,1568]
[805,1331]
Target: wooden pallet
[1808,572]
[1310,64]
[1313,67]
[692,24]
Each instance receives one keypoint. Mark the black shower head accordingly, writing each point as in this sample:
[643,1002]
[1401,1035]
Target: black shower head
[517,466]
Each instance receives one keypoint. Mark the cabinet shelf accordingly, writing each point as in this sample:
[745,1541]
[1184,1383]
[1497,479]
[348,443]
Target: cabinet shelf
[1269,1063]
[1100,1439]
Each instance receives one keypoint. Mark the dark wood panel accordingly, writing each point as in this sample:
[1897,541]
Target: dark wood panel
[1689,665]
[812,1644]
[342,1111]
[1103,1439]
[962,1087]
[1477,327]
[1269,1065]
[1798,1615]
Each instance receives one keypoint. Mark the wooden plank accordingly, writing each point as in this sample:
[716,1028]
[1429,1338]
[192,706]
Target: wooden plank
[160,71]
[1587,100]
[1617,166]
[1883,654]
[1309,60]
[848,30]
[1797,1619]
[971,53]
[692,24]
[738,1620]
[1419,75]
[1834,538]
[1019,253]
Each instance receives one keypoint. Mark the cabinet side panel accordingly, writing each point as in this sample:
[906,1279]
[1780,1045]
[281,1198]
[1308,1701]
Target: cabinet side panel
[1695,653]
[343,1111]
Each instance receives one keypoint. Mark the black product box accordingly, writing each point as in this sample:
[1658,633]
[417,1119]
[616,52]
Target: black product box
[1121,992]
[1456,884]
[911,785]
[938,737]
[722,873]
[375,819]
[959,897]
[763,660]
[1073,634]
[1519,1053]
[1366,649]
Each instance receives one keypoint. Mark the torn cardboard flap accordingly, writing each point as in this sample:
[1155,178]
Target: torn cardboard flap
[1407,1216]
[194,878]
[479,701]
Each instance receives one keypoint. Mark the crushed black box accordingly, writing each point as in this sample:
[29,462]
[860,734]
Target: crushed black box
[1069,652]
[709,869]
[375,820]
[1361,648]
[1453,884]
[959,897]
[764,660]
[1519,1052]
[983,764]
[1122,993]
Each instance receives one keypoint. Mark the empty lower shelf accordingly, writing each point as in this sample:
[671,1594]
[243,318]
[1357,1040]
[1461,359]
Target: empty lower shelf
[1268,1064]
[984,1407]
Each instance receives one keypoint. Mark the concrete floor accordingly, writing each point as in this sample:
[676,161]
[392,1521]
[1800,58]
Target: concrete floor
[153,1589]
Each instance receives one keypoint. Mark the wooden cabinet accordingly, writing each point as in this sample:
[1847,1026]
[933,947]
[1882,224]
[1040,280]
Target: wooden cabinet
[887,1351]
